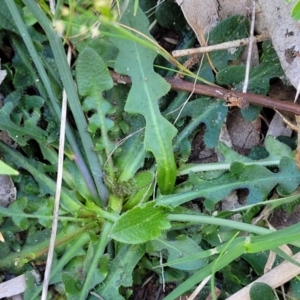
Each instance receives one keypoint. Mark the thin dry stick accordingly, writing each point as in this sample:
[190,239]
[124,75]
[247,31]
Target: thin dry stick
[298,91]
[219,92]
[151,10]
[96,295]
[222,46]
[248,63]
[283,293]
[199,288]
[162,272]
[297,156]
[286,121]
[52,6]
[192,92]
[58,188]
[203,42]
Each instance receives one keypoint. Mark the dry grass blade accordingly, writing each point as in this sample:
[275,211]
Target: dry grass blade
[199,288]
[276,277]
[248,63]
[222,46]
[297,156]
[52,6]
[298,92]
[58,188]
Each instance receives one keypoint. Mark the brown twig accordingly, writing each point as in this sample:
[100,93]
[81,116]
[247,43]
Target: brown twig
[221,93]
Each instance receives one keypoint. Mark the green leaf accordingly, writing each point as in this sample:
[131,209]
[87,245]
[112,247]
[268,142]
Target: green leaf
[140,224]
[141,189]
[101,271]
[203,110]
[260,290]
[21,133]
[23,78]
[120,271]
[6,21]
[106,50]
[295,287]
[235,276]
[75,180]
[46,184]
[46,210]
[132,156]
[296,11]
[257,179]
[17,209]
[67,80]
[276,149]
[37,242]
[230,29]
[182,247]
[6,169]
[28,17]
[198,276]
[93,79]
[257,261]
[169,15]
[68,265]
[92,74]
[72,285]
[30,285]
[147,88]
[259,77]
[288,176]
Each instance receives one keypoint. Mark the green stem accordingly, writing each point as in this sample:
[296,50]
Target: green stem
[185,170]
[103,241]
[218,221]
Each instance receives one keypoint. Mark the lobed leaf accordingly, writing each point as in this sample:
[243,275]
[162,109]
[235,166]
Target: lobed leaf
[203,110]
[257,179]
[147,88]
[93,79]
[46,184]
[21,133]
[16,209]
[92,74]
[259,77]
